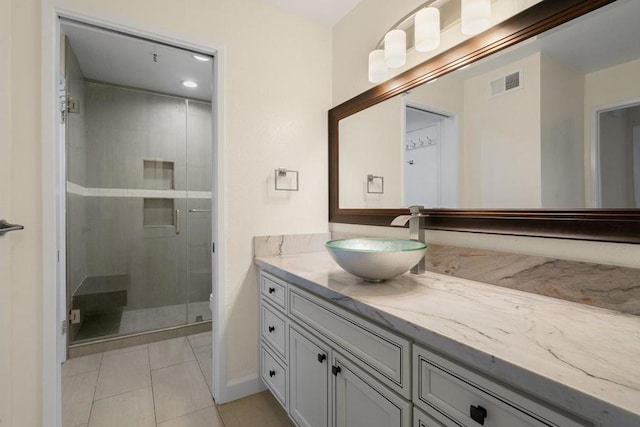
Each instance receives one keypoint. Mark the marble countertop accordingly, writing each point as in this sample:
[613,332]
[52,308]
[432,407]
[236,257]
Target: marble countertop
[584,359]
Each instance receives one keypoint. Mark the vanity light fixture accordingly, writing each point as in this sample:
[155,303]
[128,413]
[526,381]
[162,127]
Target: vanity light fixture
[377,67]
[202,58]
[391,51]
[189,83]
[427,29]
[395,48]
[476,16]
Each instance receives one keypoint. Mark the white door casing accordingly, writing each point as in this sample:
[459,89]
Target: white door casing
[53,192]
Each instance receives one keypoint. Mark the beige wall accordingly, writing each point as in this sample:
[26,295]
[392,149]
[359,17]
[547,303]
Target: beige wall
[372,18]
[6,285]
[562,137]
[366,145]
[501,150]
[21,39]
[277,93]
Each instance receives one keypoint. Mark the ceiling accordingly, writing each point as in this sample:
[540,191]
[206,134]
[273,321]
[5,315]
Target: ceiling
[323,12]
[128,61]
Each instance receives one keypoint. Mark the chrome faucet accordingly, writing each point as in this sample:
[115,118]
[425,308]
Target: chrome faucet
[416,231]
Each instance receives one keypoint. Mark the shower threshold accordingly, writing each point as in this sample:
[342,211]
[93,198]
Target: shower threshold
[122,341]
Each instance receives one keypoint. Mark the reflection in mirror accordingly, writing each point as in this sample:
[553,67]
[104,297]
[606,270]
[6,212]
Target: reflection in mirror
[551,123]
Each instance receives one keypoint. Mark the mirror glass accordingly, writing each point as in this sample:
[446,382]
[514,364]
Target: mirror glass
[552,123]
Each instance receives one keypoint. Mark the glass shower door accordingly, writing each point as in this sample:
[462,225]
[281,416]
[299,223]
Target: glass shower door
[127,212]
[199,216]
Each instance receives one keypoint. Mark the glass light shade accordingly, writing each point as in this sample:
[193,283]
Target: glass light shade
[427,29]
[395,48]
[377,66]
[476,16]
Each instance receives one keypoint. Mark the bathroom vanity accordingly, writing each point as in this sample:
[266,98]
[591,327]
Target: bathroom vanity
[435,350]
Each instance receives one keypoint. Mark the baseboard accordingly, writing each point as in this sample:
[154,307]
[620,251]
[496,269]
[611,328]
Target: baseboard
[240,388]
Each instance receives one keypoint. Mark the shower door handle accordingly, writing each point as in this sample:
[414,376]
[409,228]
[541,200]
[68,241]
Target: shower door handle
[5,227]
[177,221]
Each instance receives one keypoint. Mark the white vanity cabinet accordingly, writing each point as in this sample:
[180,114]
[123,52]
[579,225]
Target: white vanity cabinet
[274,337]
[452,395]
[361,401]
[310,367]
[331,368]
[341,370]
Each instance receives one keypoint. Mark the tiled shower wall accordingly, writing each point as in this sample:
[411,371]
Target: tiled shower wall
[123,128]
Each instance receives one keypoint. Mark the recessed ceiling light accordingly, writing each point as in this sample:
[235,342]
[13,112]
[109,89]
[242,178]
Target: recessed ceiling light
[189,83]
[202,58]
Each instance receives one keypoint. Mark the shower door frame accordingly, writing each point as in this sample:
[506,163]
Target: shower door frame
[54,343]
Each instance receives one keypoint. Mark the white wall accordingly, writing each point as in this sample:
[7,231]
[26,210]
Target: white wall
[372,18]
[367,147]
[501,149]
[277,95]
[562,135]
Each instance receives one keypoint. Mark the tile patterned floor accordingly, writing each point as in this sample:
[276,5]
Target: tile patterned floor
[163,384]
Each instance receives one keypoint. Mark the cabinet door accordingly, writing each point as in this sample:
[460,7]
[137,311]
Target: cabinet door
[309,361]
[361,401]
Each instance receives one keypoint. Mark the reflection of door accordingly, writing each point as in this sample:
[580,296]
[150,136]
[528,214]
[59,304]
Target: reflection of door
[430,163]
[422,166]
[618,157]
[636,164]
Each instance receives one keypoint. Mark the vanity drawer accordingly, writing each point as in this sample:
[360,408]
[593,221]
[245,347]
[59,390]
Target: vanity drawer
[386,355]
[274,375]
[420,419]
[274,290]
[444,390]
[274,329]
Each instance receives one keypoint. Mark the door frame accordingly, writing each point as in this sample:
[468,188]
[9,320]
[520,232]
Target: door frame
[449,138]
[53,202]
[594,193]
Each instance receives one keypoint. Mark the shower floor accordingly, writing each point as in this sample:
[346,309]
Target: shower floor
[132,321]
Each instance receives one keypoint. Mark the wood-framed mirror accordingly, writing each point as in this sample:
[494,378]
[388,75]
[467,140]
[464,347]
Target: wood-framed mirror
[592,218]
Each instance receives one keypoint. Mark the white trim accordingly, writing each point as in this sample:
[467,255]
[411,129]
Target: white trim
[243,387]
[79,190]
[594,148]
[50,40]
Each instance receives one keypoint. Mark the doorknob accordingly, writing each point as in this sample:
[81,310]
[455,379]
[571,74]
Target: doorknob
[6,227]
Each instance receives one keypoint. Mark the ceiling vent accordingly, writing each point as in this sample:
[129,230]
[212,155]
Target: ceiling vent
[505,84]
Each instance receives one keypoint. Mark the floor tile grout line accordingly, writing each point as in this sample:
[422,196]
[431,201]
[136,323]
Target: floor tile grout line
[128,350]
[124,392]
[189,413]
[175,364]
[205,377]
[153,395]
[95,388]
